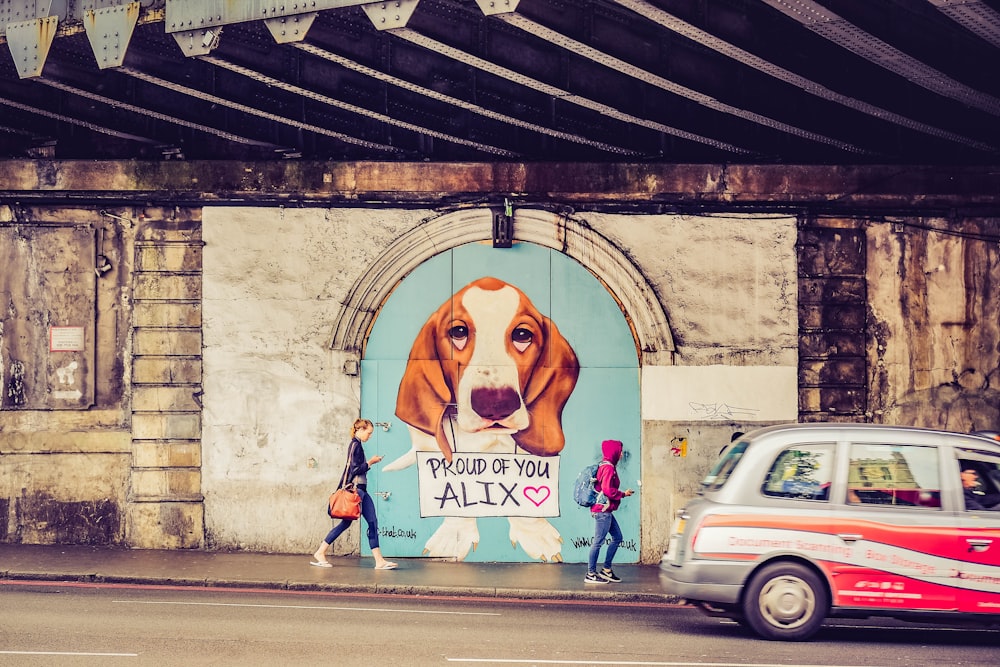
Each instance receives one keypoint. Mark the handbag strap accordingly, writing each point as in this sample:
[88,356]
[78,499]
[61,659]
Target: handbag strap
[347,466]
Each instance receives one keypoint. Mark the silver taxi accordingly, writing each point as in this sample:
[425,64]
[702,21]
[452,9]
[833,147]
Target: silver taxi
[799,522]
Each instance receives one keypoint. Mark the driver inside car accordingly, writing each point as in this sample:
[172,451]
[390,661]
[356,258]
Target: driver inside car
[976,498]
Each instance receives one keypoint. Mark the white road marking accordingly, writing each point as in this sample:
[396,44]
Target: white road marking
[292,606]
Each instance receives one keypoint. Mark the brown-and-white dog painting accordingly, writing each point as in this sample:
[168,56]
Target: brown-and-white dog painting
[487,373]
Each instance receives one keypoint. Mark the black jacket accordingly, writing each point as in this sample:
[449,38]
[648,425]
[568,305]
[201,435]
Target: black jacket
[357,462]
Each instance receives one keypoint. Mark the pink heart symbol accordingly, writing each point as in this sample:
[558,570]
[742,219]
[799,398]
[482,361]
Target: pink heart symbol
[537,494]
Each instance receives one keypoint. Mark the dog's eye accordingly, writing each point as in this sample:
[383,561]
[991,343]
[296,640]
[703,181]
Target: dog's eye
[459,335]
[521,338]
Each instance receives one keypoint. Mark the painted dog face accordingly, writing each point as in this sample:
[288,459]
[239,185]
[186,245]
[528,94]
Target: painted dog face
[503,366]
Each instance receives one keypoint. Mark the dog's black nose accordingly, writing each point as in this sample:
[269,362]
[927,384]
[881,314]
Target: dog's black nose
[495,404]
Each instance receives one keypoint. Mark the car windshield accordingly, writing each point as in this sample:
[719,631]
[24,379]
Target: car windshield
[724,467]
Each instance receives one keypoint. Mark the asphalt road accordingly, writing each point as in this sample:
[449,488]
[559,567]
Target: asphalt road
[133,626]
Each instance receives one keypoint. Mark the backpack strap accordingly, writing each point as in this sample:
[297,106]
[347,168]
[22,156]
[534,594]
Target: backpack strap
[597,480]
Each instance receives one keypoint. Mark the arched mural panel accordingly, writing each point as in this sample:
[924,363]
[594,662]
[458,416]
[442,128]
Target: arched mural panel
[504,492]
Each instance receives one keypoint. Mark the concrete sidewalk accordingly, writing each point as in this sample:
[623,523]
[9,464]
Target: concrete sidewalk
[640,583]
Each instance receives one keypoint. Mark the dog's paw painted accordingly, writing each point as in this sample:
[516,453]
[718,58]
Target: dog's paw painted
[537,537]
[453,539]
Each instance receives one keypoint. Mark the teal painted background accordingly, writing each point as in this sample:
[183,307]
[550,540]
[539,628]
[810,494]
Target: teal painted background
[604,404]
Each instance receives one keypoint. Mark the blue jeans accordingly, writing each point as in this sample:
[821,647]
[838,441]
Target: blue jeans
[367,511]
[605,524]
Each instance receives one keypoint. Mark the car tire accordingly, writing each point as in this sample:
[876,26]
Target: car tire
[785,601]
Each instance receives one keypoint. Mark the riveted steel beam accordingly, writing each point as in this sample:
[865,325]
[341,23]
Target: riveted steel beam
[197,24]
[185,15]
[109,30]
[29,31]
[198,42]
[390,15]
[71,18]
[288,29]
[18,11]
[29,43]
[491,7]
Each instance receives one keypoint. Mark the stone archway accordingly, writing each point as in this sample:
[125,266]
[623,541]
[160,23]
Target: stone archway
[574,238]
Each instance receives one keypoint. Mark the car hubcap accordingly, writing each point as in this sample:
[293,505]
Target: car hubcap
[786,602]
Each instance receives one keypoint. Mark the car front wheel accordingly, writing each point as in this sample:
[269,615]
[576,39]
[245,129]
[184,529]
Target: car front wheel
[785,601]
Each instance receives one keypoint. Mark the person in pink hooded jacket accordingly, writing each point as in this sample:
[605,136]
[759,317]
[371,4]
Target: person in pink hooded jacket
[609,498]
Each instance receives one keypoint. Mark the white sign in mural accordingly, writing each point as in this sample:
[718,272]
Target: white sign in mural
[482,485]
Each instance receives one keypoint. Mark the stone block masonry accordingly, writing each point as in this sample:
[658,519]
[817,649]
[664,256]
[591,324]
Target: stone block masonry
[165,503]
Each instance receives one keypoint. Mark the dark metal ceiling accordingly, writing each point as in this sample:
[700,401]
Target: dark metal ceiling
[670,81]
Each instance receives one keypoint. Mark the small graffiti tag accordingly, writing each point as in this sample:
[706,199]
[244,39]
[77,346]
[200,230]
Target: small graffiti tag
[397,533]
[587,542]
[722,411]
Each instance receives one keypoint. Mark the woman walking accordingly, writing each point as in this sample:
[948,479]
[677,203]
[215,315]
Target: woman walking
[605,523]
[357,472]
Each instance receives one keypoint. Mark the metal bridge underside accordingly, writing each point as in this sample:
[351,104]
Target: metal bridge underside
[820,82]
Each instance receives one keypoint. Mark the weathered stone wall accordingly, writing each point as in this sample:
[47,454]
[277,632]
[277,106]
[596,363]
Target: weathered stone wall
[165,509]
[832,320]
[64,453]
[728,285]
[887,319]
[62,486]
[278,404]
[934,323]
[123,467]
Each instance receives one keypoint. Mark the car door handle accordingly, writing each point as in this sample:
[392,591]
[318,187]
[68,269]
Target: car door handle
[850,537]
[978,544]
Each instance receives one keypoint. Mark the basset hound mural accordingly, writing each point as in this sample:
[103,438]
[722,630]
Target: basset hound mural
[488,373]
[496,374]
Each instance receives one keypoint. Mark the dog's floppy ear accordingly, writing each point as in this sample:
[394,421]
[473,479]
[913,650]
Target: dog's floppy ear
[546,393]
[426,390]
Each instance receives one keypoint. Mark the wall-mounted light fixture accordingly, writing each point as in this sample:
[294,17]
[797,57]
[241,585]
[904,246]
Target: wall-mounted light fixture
[101,262]
[102,266]
[503,226]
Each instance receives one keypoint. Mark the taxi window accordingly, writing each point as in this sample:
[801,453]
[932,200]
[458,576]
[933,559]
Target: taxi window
[802,471]
[980,474]
[900,475]
[724,467]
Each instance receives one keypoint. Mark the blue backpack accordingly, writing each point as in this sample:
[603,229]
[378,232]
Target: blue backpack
[584,492]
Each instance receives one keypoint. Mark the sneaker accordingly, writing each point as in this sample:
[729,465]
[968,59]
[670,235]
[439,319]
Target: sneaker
[592,578]
[608,575]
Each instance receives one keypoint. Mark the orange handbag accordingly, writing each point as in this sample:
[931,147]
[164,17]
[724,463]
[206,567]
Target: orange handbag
[345,503]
